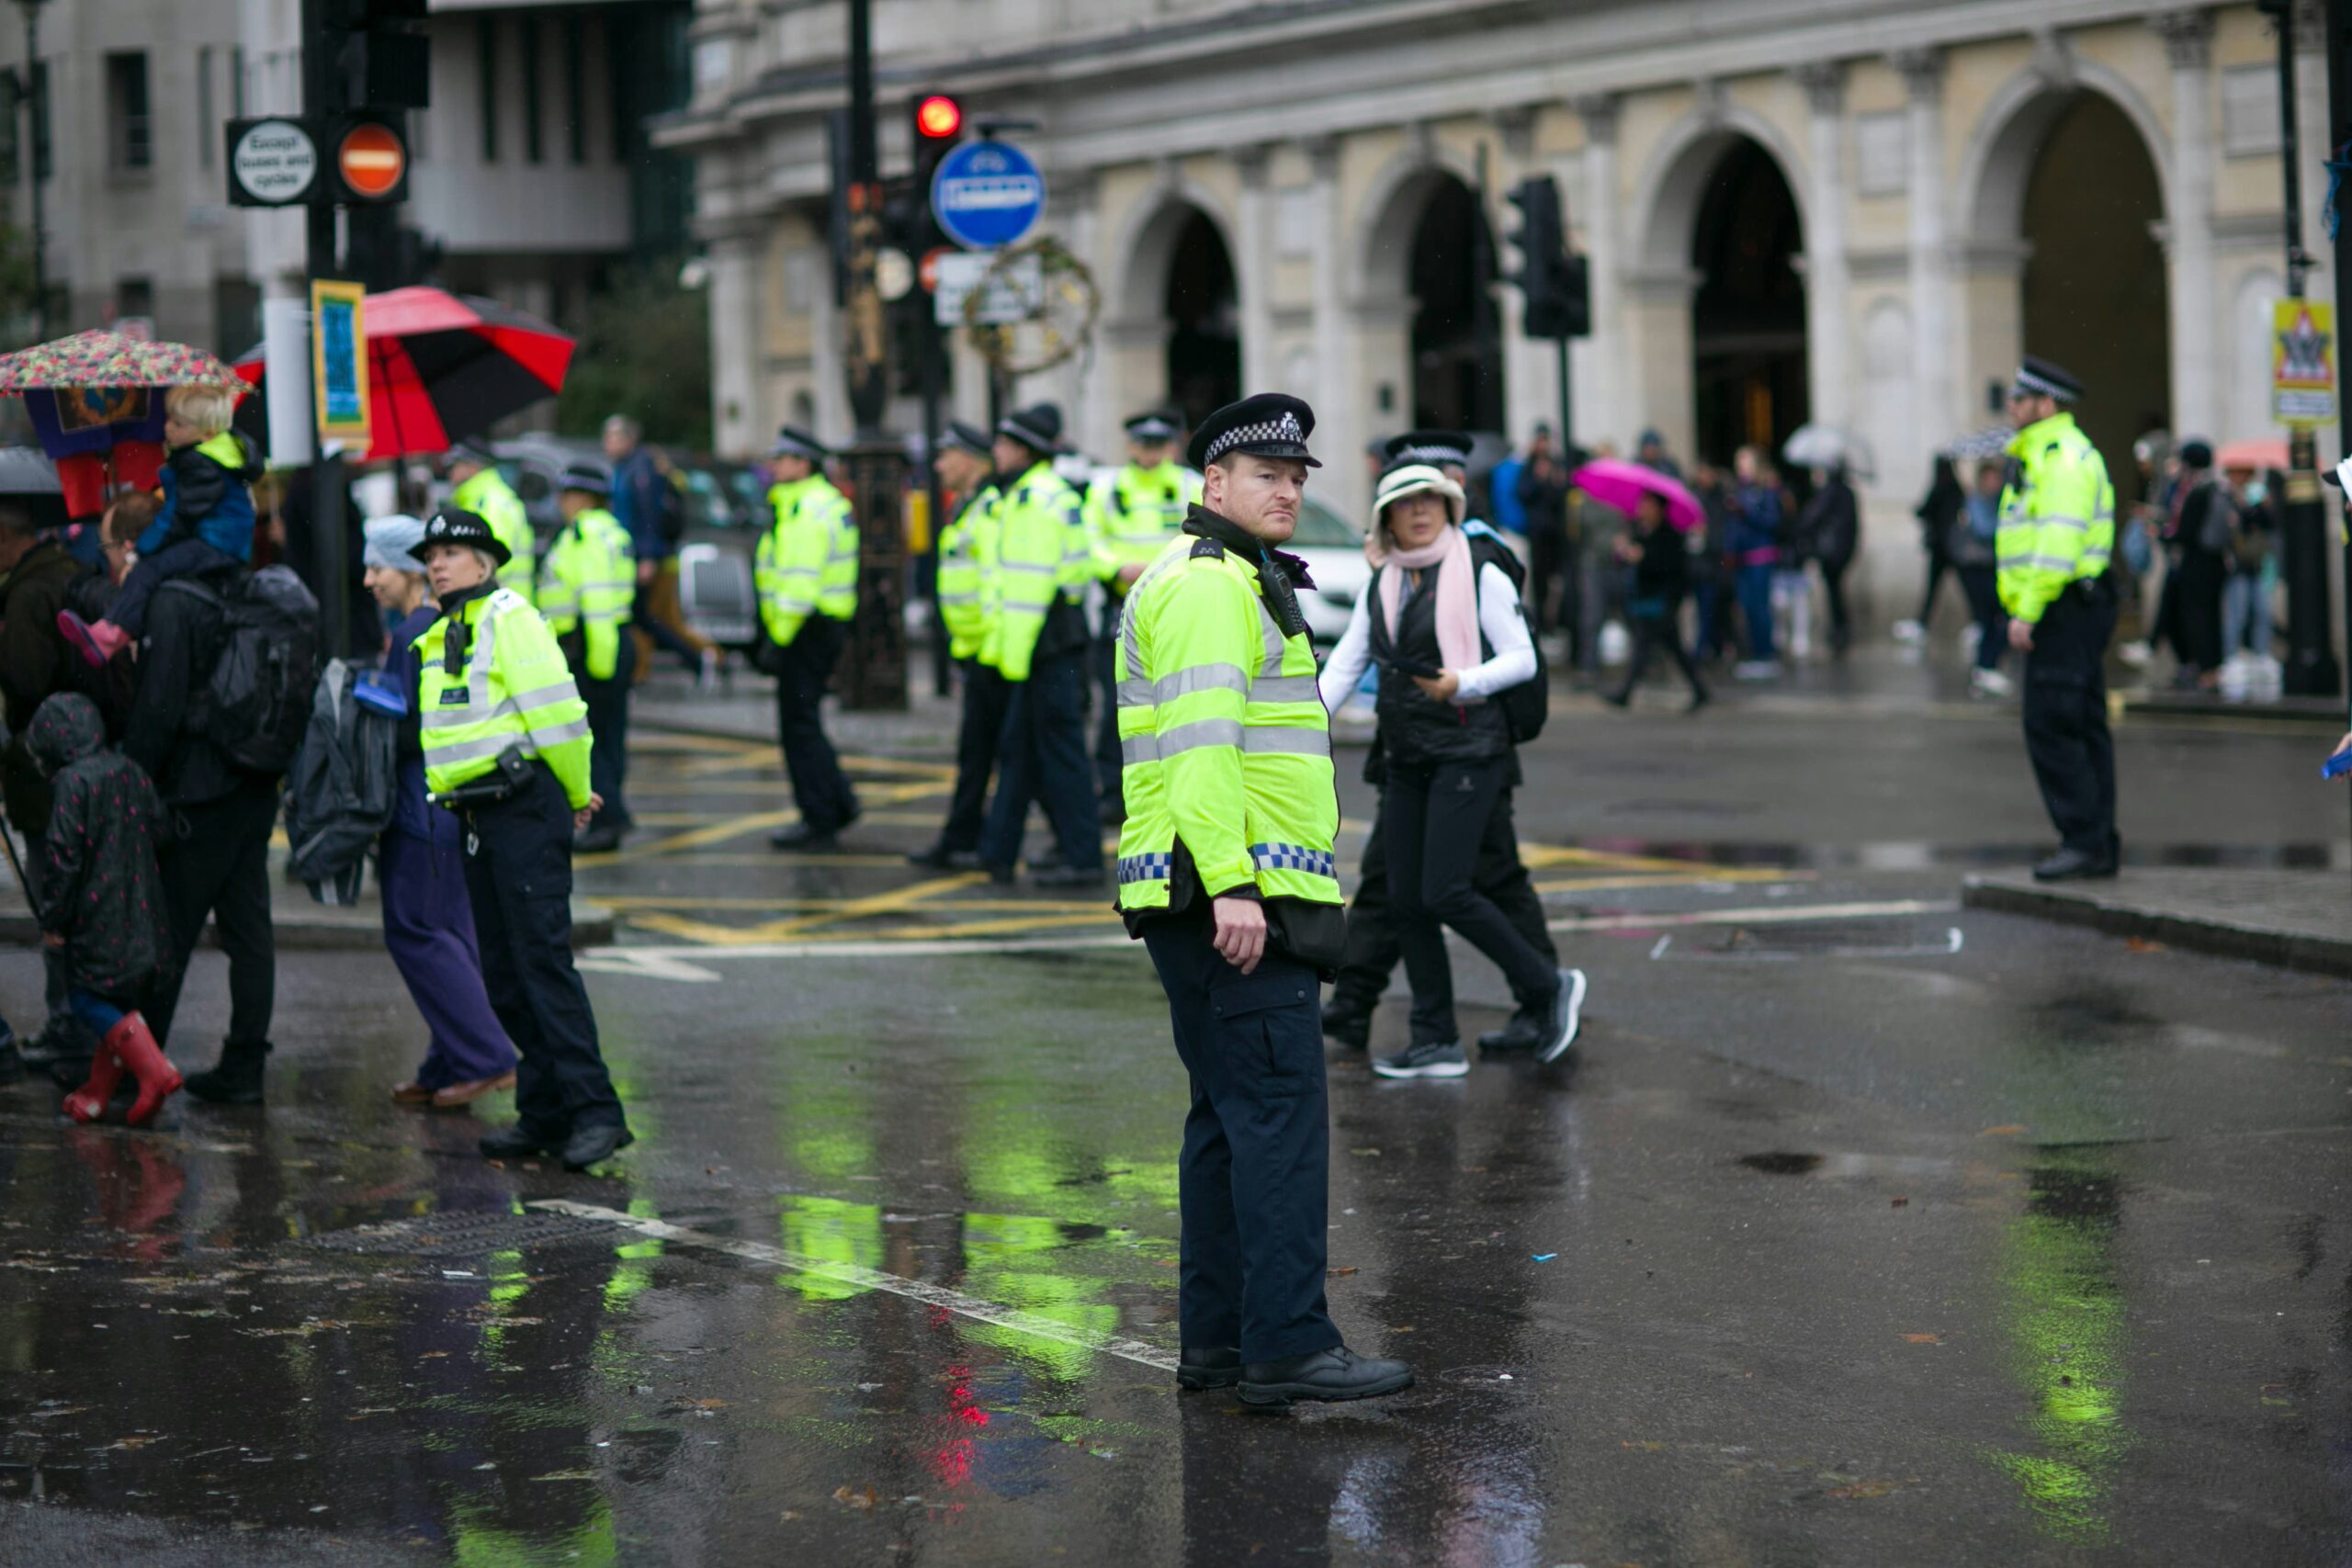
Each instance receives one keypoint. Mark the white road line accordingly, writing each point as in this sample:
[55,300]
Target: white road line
[956,1301]
[1769,915]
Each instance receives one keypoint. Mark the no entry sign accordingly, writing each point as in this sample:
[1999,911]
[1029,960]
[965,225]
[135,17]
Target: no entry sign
[371,160]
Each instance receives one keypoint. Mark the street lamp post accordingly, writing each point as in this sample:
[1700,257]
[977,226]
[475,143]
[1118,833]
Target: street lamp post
[35,101]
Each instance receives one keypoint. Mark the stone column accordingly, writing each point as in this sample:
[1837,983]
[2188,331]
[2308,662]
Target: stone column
[1940,400]
[2310,122]
[1338,430]
[1829,367]
[1253,269]
[1600,381]
[2197,370]
[735,332]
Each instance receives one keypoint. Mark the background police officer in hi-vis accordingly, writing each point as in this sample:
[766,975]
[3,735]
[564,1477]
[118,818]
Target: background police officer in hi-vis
[2057,533]
[1130,516]
[1226,872]
[507,746]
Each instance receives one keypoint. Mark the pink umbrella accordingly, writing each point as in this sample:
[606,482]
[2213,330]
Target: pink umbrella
[1612,481]
[2254,452]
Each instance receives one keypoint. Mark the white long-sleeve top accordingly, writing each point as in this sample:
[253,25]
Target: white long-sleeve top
[1498,618]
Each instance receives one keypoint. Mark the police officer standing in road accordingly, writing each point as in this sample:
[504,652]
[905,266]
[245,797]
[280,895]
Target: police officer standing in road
[1043,565]
[506,744]
[806,573]
[1226,872]
[587,588]
[2056,536]
[1130,517]
[478,487]
[966,565]
[1499,875]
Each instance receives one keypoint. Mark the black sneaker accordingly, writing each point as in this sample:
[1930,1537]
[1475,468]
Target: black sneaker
[1568,1016]
[1334,1374]
[1436,1060]
[1524,1033]
[1199,1369]
[800,836]
[1353,1030]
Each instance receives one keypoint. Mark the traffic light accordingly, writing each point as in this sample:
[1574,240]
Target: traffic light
[938,123]
[1553,282]
[383,63]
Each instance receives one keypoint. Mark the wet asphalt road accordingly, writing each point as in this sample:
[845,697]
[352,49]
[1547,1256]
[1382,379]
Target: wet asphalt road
[1848,1241]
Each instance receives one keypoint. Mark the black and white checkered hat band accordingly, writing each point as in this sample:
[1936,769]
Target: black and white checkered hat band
[1431,455]
[1265,431]
[2027,382]
[1151,430]
[793,447]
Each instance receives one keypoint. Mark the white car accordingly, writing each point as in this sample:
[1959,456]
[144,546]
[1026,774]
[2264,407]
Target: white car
[1332,549]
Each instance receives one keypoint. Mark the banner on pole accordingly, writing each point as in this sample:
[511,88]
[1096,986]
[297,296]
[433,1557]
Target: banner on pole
[339,363]
[2302,362]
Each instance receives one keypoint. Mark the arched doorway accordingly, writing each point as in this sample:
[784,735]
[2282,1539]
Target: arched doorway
[2094,296]
[1203,312]
[1456,340]
[1748,326]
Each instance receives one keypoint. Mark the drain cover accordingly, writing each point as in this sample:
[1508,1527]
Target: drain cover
[466,1235]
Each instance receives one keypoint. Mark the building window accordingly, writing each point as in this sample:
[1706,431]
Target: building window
[128,132]
[486,59]
[208,132]
[534,149]
[135,297]
[2250,126]
[1883,154]
[575,90]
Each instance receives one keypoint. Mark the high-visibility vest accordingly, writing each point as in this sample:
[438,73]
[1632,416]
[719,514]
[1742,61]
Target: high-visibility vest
[1224,743]
[2057,515]
[1042,555]
[1132,514]
[589,581]
[966,557]
[807,562]
[488,496]
[514,688]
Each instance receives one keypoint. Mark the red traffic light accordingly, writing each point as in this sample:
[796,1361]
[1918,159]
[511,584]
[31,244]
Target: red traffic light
[939,117]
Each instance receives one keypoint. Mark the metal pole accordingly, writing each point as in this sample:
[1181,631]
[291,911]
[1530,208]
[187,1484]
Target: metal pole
[2311,669]
[1567,421]
[876,673]
[927,360]
[36,103]
[321,100]
[2339,141]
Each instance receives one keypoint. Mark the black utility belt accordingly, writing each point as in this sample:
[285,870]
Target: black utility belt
[511,773]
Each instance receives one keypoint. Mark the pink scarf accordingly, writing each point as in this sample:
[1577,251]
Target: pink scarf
[1457,593]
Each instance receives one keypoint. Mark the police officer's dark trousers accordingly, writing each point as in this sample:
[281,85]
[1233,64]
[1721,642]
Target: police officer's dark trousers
[1373,951]
[987,694]
[1109,768]
[2066,717]
[1254,1176]
[1043,758]
[608,722]
[518,877]
[819,786]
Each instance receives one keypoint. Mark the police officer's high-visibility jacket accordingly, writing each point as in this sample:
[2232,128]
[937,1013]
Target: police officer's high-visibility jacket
[588,583]
[806,563]
[1042,557]
[967,559]
[1227,747]
[1132,514]
[2057,515]
[513,688]
[489,497]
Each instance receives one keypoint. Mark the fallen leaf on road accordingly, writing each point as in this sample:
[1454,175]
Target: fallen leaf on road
[1898,1202]
[134,1442]
[1921,1339]
[862,1501]
[2141,944]
[790,1514]
[1335,1273]
[2007,1129]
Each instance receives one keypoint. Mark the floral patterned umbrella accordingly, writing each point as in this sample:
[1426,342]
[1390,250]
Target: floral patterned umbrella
[111,360]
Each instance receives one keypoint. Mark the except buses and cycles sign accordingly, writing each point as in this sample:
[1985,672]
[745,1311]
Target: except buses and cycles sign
[986,194]
[272,163]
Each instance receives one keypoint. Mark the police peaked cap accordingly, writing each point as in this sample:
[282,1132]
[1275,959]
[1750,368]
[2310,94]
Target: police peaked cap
[594,478]
[964,437]
[470,529]
[2043,378]
[1271,424]
[1039,427]
[791,442]
[1155,424]
[1429,446]
[472,451]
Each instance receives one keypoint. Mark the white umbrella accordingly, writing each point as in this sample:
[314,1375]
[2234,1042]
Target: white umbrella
[1823,447]
[1981,445]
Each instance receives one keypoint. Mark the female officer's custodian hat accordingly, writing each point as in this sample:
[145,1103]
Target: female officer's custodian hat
[593,479]
[467,528]
[1272,424]
[391,543]
[471,450]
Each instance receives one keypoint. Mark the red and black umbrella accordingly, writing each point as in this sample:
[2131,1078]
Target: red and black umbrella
[441,367]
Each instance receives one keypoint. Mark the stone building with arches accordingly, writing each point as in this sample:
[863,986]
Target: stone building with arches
[1856,211]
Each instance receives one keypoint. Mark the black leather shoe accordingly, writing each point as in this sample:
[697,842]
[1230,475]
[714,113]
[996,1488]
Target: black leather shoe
[800,836]
[1524,1033]
[2073,866]
[1067,877]
[12,1065]
[517,1142]
[1334,1374]
[938,857]
[1353,1030]
[1199,1369]
[235,1080]
[595,1144]
[1002,875]
[597,841]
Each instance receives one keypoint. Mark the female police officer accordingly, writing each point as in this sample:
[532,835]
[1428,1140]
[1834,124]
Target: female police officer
[506,745]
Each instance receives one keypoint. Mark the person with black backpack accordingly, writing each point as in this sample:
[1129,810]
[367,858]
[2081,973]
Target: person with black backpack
[224,683]
[1450,640]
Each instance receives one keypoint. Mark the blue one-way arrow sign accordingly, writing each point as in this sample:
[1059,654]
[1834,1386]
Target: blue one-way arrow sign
[986,194]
